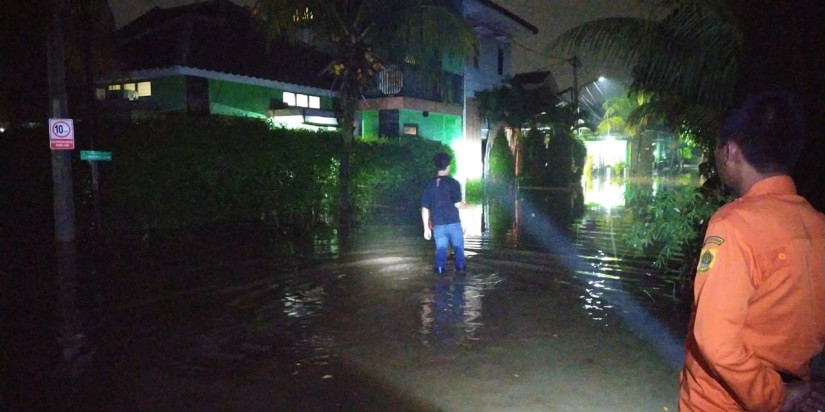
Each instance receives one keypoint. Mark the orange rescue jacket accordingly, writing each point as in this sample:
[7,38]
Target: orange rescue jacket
[759,301]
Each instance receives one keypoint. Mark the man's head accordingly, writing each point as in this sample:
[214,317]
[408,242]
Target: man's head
[768,129]
[761,137]
[441,161]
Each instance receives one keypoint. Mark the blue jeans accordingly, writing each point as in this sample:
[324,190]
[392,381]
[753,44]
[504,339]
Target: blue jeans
[445,235]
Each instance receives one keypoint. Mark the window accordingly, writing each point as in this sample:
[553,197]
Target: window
[100,93]
[289,98]
[301,100]
[144,89]
[131,91]
[410,129]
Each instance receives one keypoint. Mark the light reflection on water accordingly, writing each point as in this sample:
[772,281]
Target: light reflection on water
[277,317]
[548,236]
[584,231]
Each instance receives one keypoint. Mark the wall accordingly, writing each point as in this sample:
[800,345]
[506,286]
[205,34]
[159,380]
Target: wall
[169,93]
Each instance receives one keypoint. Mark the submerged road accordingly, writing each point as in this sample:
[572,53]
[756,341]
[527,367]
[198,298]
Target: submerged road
[550,328]
[545,319]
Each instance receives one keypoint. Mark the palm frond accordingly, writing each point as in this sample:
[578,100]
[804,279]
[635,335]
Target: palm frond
[611,40]
[692,53]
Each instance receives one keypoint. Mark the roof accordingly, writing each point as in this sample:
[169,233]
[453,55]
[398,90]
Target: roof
[218,36]
[496,19]
[536,79]
[510,15]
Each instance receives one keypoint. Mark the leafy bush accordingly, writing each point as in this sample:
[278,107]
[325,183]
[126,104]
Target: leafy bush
[502,166]
[474,191]
[552,161]
[186,172]
[670,224]
[193,171]
[389,175]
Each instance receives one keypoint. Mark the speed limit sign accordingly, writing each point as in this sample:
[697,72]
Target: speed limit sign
[61,134]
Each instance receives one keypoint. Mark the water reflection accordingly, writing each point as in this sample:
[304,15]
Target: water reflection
[277,317]
[442,312]
[452,308]
[594,304]
[604,192]
[583,231]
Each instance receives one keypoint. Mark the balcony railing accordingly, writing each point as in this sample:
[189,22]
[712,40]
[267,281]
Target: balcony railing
[420,84]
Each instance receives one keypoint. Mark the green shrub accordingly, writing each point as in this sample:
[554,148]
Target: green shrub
[193,171]
[474,191]
[502,166]
[185,172]
[389,175]
[669,224]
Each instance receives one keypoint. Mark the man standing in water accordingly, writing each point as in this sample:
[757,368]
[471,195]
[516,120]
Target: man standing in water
[759,294]
[440,203]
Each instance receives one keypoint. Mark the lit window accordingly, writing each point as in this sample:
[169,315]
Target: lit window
[114,87]
[129,86]
[144,89]
[410,129]
[100,93]
[301,100]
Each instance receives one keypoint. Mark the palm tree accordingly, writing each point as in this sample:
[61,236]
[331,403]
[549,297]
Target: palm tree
[623,114]
[366,36]
[687,61]
[517,107]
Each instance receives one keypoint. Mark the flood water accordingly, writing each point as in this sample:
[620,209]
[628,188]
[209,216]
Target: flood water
[554,313]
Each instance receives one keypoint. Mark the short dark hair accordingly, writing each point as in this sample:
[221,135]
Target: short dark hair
[441,160]
[769,129]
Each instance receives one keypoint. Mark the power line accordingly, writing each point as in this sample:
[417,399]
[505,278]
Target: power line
[561,60]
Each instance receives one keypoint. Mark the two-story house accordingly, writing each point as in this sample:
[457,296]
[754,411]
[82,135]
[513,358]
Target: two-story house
[207,58]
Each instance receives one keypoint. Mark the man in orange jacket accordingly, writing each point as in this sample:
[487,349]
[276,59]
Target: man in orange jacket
[759,293]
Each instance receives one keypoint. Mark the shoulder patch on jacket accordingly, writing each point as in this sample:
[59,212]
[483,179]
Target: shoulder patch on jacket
[715,240]
[706,259]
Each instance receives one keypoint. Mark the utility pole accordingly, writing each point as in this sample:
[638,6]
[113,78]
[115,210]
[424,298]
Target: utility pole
[69,333]
[574,61]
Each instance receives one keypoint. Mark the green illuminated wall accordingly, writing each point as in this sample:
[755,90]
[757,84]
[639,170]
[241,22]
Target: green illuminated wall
[226,98]
[445,128]
[369,123]
[236,99]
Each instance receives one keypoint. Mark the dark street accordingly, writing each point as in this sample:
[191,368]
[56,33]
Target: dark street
[372,328]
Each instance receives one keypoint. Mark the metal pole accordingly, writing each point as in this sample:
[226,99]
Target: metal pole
[575,62]
[70,336]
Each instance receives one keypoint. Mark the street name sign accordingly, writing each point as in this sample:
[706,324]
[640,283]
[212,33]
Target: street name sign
[94,155]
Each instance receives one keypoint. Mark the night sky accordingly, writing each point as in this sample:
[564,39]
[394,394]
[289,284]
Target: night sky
[551,18]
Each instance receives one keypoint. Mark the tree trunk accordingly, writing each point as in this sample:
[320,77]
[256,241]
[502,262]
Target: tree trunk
[348,106]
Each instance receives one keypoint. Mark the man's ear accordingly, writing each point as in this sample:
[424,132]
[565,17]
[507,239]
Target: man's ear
[734,152]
